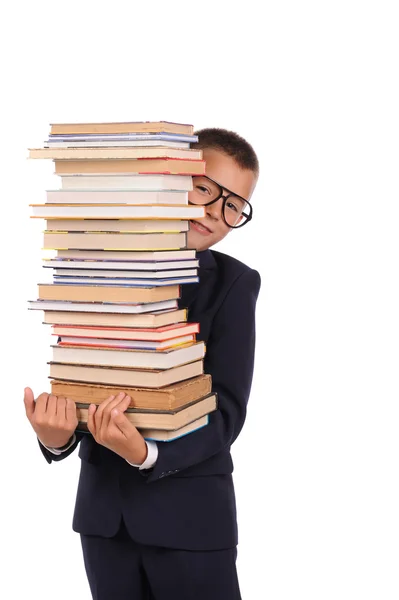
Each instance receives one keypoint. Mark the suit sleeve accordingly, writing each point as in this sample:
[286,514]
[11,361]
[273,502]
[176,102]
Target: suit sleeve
[230,360]
[49,456]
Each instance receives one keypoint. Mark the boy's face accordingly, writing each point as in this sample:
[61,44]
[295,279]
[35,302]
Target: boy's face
[206,232]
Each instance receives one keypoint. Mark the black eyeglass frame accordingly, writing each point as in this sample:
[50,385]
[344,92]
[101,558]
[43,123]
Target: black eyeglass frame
[225,198]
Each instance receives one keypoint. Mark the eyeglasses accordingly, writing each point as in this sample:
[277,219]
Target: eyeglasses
[236,210]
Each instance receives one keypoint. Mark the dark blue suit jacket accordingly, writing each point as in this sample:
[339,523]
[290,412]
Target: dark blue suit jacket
[187,500]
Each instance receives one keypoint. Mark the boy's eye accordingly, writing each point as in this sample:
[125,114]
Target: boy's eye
[232,206]
[202,189]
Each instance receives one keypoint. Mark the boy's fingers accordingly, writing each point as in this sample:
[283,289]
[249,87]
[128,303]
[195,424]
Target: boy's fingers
[121,421]
[98,417]
[122,406]
[70,410]
[60,407]
[91,426]
[29,401]
[51,406]
[41,404]
[106,416]
[103,405]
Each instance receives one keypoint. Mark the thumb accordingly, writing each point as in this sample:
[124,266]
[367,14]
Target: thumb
[29,402]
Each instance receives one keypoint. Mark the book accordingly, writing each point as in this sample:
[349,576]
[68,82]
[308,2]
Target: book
[121,240]
[132,181]
[139,266]
[116,293]
[130,377]
[168,166]
[124,281]
[121,127]
[101,307]
[150,320]
[118,357]
[119,273]
[167,332]
[116,211]
[130,225]
[170,397]
[158,435]
[134,138]
[66,340]
[116,197]
[112,141]
[157,255]
[114,153]
[168,420]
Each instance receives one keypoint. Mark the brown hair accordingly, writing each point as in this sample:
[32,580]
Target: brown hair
[231,144]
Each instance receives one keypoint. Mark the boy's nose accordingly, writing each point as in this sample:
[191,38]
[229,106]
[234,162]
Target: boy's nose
[215,210]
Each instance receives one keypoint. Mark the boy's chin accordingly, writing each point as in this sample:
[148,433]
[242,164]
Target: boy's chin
[197,242]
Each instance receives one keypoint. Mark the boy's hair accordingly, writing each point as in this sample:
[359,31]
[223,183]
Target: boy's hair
[231,144]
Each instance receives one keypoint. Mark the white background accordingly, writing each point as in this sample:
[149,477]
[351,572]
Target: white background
[314,87]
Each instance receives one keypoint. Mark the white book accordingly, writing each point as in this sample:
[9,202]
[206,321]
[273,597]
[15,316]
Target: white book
[97,273]
[117,196]
[101,307]
[140,137]
[116,211]
[73,266]
[124,281]
[114,143]
[163,359]
[131,181]
[131,255]
[132,225]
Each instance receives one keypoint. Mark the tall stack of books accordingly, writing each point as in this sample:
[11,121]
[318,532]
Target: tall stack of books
[118,228]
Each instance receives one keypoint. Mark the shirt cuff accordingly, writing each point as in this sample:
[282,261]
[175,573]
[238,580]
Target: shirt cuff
[152,455]
[58,451]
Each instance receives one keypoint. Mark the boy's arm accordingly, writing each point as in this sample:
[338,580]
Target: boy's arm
[229,359]
[51,455]
[61,453]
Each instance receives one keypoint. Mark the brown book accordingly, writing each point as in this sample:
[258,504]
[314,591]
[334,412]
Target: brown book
[144,166]
[170,397]
[103,293]
[114,241]
[113,153]
[146,378]
[125,127]
[144,320]
[162,419]
[163,435]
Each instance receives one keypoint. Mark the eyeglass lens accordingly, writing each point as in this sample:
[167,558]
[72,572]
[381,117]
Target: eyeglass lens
[236,210]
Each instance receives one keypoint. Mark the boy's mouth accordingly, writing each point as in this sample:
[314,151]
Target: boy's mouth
[200,228]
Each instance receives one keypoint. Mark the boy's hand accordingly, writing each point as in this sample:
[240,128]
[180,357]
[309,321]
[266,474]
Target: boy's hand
[112,429]
[53,419]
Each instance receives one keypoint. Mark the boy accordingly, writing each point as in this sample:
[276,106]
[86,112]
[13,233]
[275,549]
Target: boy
[158,520]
